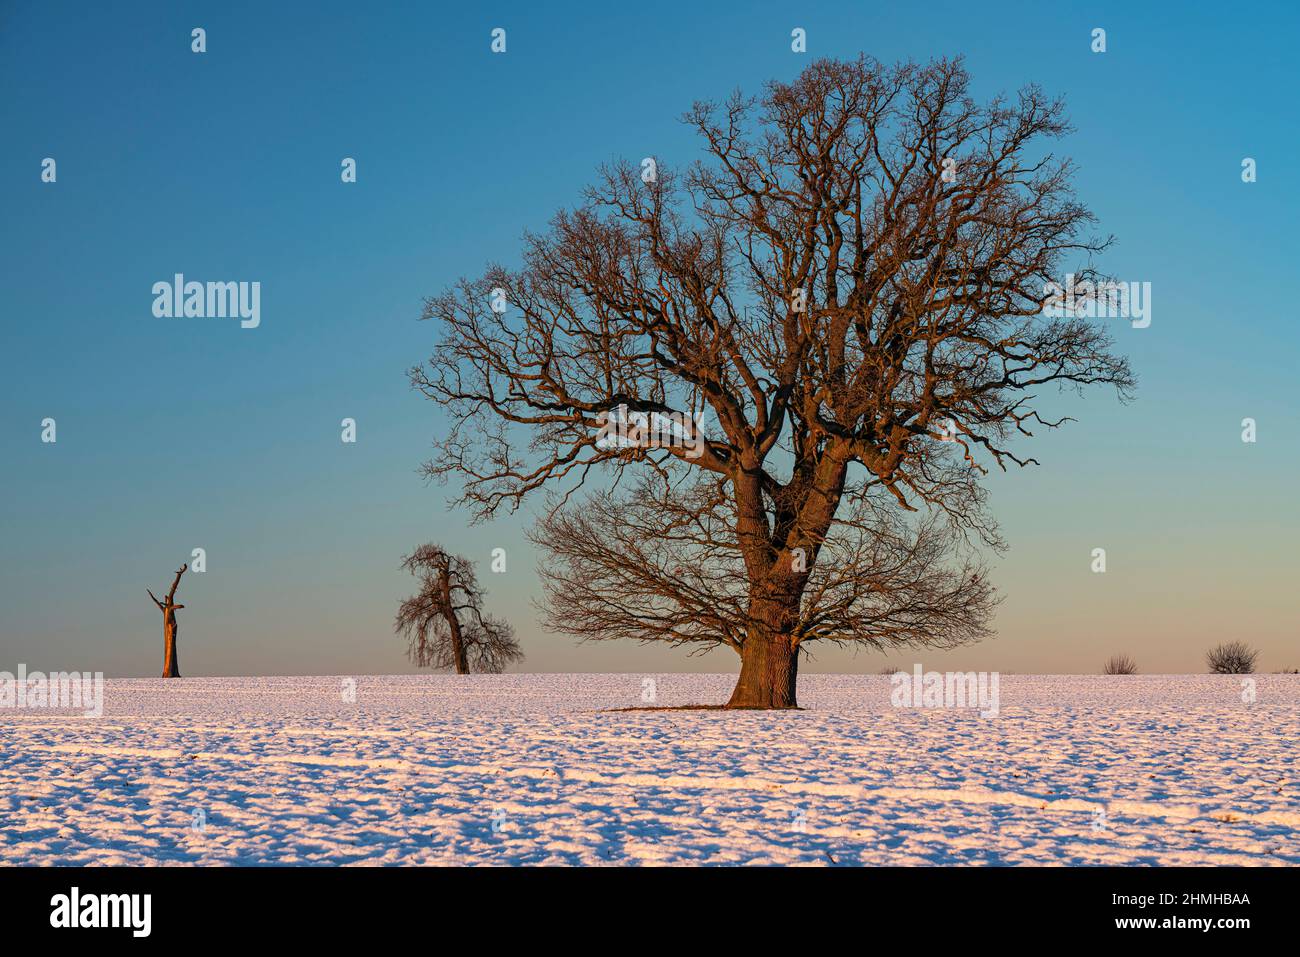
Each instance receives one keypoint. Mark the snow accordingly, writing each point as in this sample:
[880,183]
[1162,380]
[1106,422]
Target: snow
[528,769]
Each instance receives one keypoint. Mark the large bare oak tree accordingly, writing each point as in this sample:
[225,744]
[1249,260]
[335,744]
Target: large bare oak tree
[844,303]
[444,621]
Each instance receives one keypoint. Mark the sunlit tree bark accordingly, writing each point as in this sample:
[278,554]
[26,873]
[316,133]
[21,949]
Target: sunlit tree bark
[171,631]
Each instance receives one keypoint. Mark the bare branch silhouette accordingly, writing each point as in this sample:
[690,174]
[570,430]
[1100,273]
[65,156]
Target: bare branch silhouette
[444,621]
[664,563]
[1231,658]
[1120,665]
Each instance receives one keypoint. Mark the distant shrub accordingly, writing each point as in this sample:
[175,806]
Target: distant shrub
[1231,658]
[1120,665]
[889,670]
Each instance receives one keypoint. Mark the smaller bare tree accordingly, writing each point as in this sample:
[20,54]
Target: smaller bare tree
[171,666]
[1120,665]
[1231,658]
[444,620]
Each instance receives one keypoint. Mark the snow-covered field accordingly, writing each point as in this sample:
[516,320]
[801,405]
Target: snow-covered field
[529,769]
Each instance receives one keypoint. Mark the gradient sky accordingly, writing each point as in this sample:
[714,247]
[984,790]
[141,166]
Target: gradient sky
[176,434]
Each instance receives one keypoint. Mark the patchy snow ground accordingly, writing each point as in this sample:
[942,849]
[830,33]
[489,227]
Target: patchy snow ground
[526,769]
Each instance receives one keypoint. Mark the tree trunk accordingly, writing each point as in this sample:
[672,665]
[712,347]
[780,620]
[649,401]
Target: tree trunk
[769,668]
[769,656]
[458,652]
[171,667]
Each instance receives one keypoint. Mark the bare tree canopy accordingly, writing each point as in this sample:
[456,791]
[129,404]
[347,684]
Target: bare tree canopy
[1231,658]
[843,302]
[663,563]
[1120,665]
[444,621]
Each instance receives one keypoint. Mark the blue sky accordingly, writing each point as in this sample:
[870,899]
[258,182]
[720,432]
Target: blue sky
[178,434]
